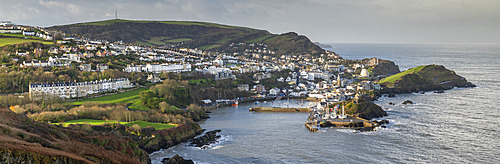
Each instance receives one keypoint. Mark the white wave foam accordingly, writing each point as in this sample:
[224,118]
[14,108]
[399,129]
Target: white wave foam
[215,145]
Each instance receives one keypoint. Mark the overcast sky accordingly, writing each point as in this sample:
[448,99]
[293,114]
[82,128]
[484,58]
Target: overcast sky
[327,21]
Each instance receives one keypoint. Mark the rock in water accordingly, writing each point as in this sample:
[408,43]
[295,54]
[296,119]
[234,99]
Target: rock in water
[407,102]
[391,103]
[207,139]
[382,122]
[440,91]
[176,160]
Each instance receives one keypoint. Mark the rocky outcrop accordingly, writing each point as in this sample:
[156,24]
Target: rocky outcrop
[207,139]
[385,67]
[164,139]
[423,78]
[23,140]
[176,160]
[365,109]
[407,102]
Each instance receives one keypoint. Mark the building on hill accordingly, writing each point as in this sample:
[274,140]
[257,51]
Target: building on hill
[261,75]
[76,89]
[243,87]
[102,67]
[28,33]
[219,73]
[85,67]
[153,78]
[158,68]
[364,73]
[374,61]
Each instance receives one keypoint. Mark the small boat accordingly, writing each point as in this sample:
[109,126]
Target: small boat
[234,103]
[256,102]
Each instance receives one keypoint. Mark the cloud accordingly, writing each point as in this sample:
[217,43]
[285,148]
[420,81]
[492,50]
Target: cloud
[320,20]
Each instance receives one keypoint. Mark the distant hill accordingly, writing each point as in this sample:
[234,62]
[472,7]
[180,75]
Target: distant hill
[423,78]
[205,36]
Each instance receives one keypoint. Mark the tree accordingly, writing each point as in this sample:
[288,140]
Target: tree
[137,128]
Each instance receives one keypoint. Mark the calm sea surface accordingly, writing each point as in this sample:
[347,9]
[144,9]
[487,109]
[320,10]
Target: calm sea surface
[458,126]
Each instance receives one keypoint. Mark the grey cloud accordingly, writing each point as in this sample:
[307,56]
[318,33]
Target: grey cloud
[320,20]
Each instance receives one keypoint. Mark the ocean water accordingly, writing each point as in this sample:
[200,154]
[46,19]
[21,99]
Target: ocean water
[458,126]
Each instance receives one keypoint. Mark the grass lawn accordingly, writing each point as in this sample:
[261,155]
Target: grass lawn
[394,78]
[86,121]
[143,124]
[137,105]
[8,41]
[124,97]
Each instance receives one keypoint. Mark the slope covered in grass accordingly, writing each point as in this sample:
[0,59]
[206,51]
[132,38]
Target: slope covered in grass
[423,78]
[124,97]
[202,35]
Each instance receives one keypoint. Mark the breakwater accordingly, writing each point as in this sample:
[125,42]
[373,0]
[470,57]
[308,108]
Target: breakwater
[278,109]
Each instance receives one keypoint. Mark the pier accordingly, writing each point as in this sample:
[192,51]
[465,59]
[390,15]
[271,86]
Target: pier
[278,109]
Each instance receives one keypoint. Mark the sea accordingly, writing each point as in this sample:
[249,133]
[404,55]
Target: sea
[458,126]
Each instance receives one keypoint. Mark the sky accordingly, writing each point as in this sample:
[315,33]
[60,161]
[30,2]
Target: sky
[326,21]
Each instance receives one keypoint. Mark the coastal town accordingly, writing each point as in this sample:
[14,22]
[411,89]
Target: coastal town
[327,77]
[153,92]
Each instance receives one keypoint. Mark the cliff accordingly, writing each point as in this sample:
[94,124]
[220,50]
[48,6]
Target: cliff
[24,140]
[385,67]
[423,78]
[363,108]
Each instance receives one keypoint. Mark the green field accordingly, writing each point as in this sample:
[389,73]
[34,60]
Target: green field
[142,124]
[8,41]
[143,43]
[394,78]
[125,97]
[259,39]
[137,105]
[178,40]
[112,21]
[207,47]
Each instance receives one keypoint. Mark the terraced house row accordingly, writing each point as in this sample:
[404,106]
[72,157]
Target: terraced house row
[77,89]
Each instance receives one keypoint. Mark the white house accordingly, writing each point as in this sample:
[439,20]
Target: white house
[76,89]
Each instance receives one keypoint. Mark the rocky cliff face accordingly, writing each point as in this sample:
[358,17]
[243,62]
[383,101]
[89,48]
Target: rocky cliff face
[385,67]
[166,138]
[22,139]
[429,77]
[365,109]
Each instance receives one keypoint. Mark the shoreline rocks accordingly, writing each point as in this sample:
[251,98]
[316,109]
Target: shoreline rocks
[407,102]
[207,139]
[176,160]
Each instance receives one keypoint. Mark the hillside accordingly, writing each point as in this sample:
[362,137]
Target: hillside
[23,140]
[423,78]
[206,36]
[11,39]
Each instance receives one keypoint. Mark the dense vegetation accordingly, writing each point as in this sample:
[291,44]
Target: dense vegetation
[207,36]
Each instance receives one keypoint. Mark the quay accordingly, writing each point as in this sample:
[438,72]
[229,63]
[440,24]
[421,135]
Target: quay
[278,109]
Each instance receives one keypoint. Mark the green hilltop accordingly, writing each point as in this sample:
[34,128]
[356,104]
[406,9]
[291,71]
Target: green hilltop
[202,35]
[423,78]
